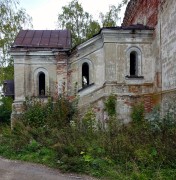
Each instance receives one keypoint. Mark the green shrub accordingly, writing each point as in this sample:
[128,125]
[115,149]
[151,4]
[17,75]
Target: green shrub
[137,113]
[88,122]
[48,115]
[5,109]
[54,134]
[110,105]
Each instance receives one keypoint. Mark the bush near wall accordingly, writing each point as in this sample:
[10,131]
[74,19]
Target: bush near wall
[54,134]
[5,109]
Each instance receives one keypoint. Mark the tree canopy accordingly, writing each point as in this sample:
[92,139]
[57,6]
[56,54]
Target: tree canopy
[77,21]
[82,25]
[13,18]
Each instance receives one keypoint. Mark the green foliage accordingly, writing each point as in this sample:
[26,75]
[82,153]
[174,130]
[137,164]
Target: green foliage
[77,21]
[6,73]
[110,105]
[89,121]
[13,19]
[92,29]
[111,18]
[39,114]
[160,121]
[82,25]
[64,139]
[5,109]
[137,113]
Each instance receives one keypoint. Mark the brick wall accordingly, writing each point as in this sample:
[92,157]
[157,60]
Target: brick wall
[141,11]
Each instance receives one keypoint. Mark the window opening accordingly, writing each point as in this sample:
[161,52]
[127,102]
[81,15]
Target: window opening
[85,74]
[133,64]
[41,84]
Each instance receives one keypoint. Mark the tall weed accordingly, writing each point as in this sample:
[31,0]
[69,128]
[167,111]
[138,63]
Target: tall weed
[54,133]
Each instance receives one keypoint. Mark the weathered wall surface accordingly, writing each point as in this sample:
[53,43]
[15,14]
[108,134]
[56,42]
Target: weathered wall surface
[27,67]
[37,64]
[141,11]
[168,45]
[167,18]
[60,84]
[146,12]
[92,53]
[108,56]
[157,53]
[160,14]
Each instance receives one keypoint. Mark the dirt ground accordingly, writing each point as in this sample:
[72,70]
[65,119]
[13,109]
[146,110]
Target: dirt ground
[17,170]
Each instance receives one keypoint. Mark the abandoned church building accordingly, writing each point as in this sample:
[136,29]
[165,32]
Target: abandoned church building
[136,62]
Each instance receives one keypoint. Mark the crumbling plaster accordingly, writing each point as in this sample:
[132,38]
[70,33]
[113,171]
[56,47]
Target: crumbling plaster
[160,14]
[108,55]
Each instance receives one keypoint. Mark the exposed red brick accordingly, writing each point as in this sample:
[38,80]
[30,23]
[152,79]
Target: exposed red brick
[62,56]
[146,100]
[156,99]
[141,11]
[148,103]
[134,89]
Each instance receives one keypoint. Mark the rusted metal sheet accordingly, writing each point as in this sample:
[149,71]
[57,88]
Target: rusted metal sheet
[43,39]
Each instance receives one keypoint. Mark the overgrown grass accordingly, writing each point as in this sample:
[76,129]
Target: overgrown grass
[5,109]
[55,135]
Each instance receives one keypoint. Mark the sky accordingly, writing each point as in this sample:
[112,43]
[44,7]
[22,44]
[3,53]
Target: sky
[44,12]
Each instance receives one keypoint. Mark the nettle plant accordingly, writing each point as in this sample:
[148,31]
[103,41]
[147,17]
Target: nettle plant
[162,118]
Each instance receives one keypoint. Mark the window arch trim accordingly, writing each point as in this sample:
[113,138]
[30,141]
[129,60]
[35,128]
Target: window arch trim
[91,73]
[138,63]
[37,73]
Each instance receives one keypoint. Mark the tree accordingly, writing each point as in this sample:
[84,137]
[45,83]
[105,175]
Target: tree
[111,18]
[80,23]
[13,19]
[92,29]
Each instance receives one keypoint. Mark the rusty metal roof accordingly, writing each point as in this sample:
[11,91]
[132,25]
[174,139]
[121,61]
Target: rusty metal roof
[47,39]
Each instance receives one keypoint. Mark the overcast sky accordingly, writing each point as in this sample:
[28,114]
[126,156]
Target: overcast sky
[45,12]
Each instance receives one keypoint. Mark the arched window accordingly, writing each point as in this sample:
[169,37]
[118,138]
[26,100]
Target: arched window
[85,74]
[41,84]
[133,64]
